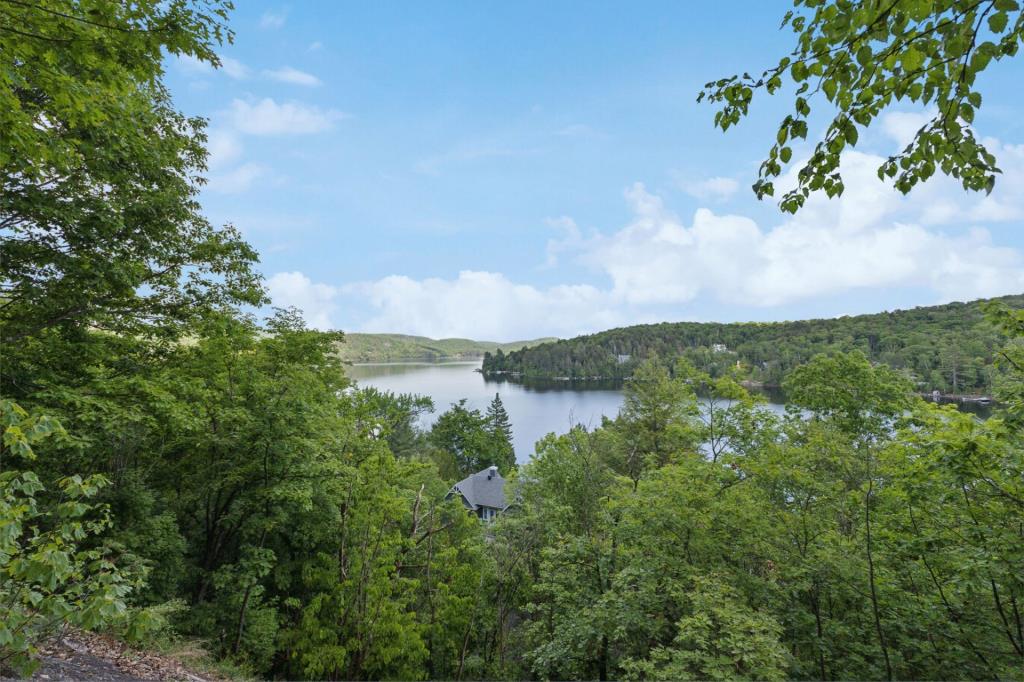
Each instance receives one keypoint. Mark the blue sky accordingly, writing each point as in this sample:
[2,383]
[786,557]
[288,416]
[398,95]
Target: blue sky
[505,171]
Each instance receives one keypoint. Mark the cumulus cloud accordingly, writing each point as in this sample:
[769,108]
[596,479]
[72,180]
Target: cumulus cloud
[865,239]
[287,74]
[316,301]
[483,305]
[872,238]
[267,117]
[902,126]
[716,189]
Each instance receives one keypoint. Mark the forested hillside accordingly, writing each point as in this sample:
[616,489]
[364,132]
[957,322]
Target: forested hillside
[948,348]
[358,347]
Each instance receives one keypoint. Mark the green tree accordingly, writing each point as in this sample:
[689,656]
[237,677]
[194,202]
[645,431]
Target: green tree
[861,401]
[865,55]
[500,428]
[465,436]
[100,174]
[566,488]
[394,418]
[657,420]
[721,639]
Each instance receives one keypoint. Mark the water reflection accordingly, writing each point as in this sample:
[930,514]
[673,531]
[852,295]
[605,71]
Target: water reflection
[535,408]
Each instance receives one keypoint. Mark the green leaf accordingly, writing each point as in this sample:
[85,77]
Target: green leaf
[829,86]
[911,59]
[997,22]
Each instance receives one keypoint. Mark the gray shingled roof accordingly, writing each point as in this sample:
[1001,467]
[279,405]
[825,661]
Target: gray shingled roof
[479,490]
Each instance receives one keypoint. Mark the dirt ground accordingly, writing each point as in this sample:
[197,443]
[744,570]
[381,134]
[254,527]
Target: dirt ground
[86,656]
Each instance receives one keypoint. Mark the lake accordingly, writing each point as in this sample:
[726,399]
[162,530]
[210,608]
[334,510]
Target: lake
[535,408]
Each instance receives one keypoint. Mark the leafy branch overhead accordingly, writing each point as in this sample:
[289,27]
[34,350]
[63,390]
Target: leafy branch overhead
[864,55]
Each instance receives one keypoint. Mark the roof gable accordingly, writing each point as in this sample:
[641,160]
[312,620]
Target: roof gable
[483,489]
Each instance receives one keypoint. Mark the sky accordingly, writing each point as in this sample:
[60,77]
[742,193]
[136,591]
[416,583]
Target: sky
[506,171]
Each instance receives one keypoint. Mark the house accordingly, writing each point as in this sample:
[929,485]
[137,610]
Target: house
[482,493]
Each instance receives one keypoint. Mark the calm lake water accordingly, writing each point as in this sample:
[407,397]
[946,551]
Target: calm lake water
[536,408]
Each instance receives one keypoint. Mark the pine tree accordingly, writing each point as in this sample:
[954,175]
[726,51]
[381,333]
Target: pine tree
[500,428]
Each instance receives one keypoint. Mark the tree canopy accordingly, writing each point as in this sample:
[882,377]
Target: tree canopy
[100,172]
[949,348]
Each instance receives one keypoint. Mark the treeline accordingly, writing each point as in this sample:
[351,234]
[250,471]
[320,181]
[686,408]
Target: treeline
[948,348]
[390,347]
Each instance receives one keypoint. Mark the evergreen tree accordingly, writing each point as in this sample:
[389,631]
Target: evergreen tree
[500,427]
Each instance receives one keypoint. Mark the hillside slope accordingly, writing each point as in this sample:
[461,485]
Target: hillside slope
[948,348]
[391,347]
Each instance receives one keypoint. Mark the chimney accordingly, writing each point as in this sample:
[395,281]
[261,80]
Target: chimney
[492,471]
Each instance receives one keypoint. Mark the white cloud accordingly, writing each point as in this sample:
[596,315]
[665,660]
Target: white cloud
[190,64]
[234,68]
[902,126]
[273,19]
[287,74]
[482,305]
[570,239]
[223,147]
[316,301]
[230,67]
[1007,199]
[717,188]
[267,117]
[871,238]
[238,180]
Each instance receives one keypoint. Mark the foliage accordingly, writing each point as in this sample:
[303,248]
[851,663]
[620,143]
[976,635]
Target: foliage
[499,426]
[721,639]
[51,575]
[472,441]
[865,55]
[390,347]
[657,420]
[100,173]
[949,348]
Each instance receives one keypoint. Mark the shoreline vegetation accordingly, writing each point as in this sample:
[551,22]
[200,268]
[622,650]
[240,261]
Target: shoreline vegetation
[749,384]
[946,351]
[359,347]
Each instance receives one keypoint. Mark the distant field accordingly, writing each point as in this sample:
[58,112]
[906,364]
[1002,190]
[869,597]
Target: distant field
[390,347]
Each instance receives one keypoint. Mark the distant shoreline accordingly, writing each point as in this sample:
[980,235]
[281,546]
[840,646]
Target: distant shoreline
[934,396]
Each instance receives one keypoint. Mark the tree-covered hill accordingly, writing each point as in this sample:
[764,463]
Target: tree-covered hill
[947,348]
[387,347]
